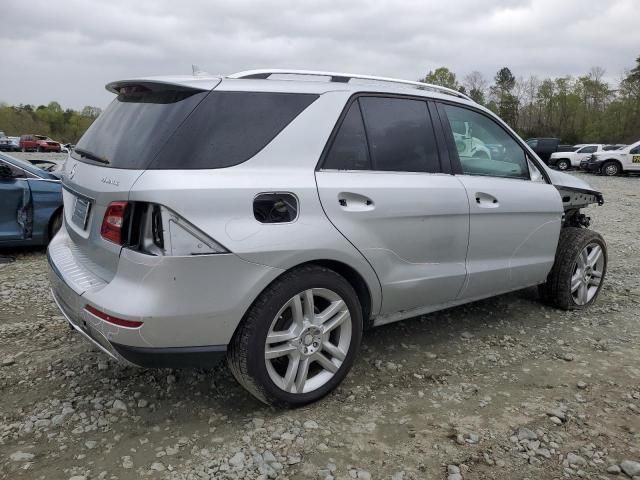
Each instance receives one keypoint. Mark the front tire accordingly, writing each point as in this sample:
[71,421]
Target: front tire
[299,339]
[579,270]
[610,169]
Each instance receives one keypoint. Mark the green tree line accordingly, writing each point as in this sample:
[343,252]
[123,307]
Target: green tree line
[581,109]
[66,126]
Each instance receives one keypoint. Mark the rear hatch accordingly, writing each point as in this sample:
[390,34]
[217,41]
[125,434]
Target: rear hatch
[110,157]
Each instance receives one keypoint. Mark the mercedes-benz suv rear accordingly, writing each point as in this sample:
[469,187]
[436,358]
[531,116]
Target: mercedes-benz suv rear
[142,265]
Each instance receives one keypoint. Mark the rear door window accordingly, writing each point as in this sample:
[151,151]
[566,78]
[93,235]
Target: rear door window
[589,149]
[400,134]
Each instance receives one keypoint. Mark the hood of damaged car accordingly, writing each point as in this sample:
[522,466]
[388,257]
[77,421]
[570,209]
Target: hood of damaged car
[561,179]
[564,181]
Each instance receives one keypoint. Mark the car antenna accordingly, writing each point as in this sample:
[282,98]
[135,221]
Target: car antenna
[196,72]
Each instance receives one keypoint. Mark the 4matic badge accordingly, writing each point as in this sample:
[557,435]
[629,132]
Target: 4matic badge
[110,181]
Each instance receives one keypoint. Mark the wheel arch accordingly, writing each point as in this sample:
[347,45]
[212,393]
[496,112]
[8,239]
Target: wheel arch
[615,160]
[349,273]
[356,280]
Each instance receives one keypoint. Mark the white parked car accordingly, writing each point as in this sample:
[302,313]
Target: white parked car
[567,160]
[614,162]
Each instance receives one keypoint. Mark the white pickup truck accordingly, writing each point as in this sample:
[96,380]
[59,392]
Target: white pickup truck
[566,160]
[614,162]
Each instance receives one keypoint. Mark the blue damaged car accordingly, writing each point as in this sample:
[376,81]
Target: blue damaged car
[30,203]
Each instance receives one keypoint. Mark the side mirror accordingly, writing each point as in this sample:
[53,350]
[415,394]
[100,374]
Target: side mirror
[5,172]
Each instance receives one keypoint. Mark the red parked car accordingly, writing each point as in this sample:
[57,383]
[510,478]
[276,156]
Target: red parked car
[38,143]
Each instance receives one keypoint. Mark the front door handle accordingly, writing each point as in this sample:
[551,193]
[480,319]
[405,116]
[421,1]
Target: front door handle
[484,200]
[355,202]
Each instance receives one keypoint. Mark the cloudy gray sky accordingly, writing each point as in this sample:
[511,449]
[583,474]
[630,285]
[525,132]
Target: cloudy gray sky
[66,50]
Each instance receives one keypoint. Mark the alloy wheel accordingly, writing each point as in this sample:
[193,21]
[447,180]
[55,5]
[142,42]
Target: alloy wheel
[587,274]
[308,340]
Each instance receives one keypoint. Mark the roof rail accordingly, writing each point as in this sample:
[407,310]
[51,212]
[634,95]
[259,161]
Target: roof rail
[344,78]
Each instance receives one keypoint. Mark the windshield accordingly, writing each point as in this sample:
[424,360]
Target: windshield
[27,166]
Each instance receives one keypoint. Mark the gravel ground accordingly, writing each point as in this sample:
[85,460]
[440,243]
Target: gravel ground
[500,389]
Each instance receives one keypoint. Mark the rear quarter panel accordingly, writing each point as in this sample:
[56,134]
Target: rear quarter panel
[220,201]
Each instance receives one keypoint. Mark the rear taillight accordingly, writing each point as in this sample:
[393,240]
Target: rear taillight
[113,222]
[111,319]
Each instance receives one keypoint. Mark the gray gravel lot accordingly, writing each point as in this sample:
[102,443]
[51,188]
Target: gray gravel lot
[501,389]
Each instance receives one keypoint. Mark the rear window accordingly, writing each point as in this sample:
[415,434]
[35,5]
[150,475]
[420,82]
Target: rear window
[187,129]
[135,127]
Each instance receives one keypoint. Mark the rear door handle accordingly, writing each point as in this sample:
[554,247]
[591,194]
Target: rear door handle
[484,200]
[355,202]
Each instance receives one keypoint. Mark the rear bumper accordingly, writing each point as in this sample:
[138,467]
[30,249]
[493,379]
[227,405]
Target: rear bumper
[189,306]
[173,357]
[71,306]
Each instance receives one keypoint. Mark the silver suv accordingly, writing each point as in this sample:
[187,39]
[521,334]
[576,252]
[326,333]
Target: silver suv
[270,217]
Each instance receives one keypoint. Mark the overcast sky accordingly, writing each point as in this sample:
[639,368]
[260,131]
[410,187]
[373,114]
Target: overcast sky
[67,50]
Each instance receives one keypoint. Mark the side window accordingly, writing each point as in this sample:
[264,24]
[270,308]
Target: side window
[590,149]
[484,147]
[349,149]
[15,172]
[400,134]
[635,151]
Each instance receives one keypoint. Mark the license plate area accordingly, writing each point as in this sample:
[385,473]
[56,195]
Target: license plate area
[81,208]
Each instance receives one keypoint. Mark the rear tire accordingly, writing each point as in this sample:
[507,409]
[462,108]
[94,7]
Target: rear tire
[55,224]
[610,169]
[578,273]
[563,164]
[288,357]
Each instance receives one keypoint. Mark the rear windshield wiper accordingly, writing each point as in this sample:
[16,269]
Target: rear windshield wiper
[91,156]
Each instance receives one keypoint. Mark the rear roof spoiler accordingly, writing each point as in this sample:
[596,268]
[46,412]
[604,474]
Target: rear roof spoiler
[183,82]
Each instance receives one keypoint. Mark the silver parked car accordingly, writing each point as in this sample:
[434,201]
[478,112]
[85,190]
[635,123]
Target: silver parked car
[271,216]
